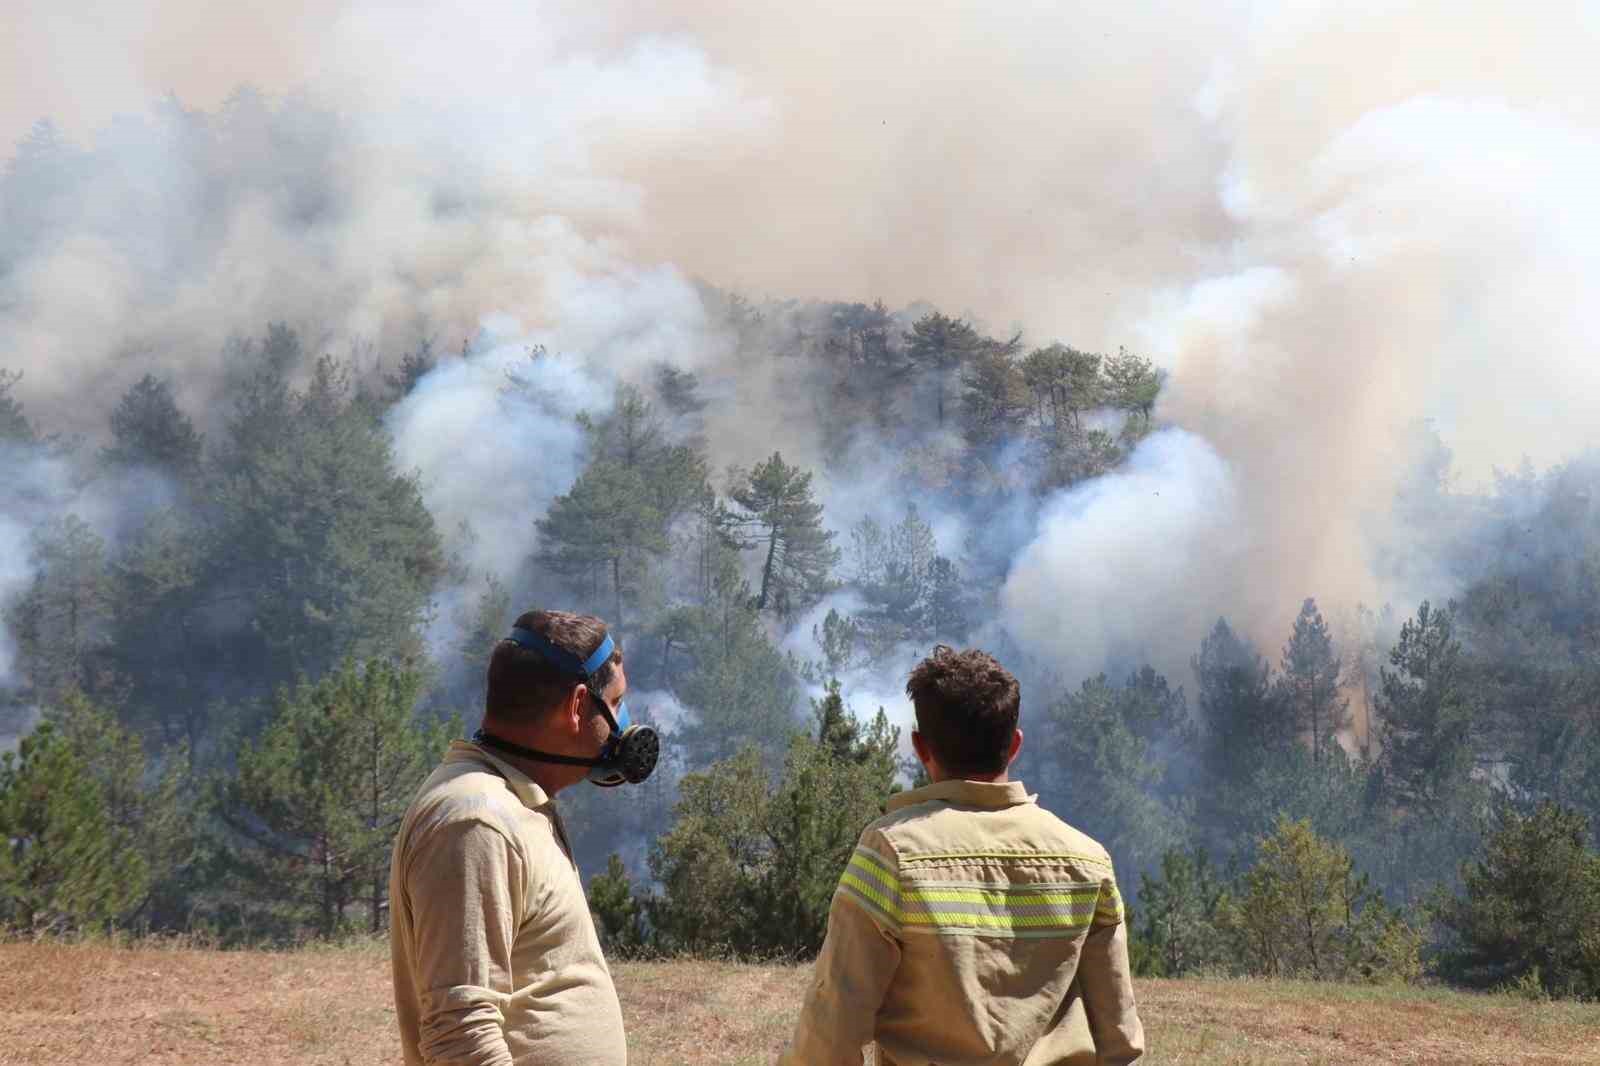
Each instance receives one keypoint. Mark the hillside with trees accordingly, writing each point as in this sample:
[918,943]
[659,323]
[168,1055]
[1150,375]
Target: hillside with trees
[239,615]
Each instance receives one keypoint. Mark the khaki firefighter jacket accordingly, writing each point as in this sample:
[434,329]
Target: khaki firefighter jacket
[496,961]
[972,926]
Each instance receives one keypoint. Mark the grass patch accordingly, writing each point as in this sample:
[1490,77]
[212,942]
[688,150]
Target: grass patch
[174,1005]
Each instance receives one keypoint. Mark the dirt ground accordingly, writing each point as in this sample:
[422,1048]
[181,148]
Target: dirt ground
[67,1004]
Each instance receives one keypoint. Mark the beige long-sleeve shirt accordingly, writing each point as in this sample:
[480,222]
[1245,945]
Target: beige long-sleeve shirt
[972,926]
[496,961]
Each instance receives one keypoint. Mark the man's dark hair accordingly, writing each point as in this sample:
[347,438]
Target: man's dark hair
[967,705]
[523,684]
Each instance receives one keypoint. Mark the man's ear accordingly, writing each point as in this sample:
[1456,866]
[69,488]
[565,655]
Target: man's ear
[1016,746]
[572,712]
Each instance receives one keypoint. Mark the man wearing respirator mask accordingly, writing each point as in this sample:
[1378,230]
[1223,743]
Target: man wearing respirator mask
[496,961]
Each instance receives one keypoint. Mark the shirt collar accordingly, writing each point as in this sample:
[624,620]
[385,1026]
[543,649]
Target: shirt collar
[990,794]
[524,787]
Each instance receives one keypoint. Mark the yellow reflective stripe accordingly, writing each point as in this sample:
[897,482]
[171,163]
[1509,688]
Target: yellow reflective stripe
[1108,909]
[868,873]
[906,860]
[870,879]
[871,895]
[999,897]
[873,857]
[996,921]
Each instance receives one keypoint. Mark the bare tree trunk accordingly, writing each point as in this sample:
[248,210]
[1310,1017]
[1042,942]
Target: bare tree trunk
[372,824]
[766,569]
[616,586]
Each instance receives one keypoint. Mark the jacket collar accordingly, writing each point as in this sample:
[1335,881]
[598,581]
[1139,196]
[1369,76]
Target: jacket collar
[522,786]
[988,794]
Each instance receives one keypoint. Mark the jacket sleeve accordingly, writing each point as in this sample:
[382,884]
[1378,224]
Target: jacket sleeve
[465,882]
[1106,979]
[859,957]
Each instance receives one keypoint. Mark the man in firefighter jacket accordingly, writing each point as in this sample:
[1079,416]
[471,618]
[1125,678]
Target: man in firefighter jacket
[971,925]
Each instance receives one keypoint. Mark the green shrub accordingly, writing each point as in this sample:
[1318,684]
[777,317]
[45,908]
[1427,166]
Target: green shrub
[750,865]
[1303,911]
[618,912]
[66,865]
[1176,930]
[1529,914]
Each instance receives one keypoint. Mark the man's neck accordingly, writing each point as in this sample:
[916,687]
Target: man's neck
[550,776]
[1001,778]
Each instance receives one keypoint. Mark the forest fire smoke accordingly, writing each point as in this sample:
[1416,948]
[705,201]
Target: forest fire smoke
[1320,260]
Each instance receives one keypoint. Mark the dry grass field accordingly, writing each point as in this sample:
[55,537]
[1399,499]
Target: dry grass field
[67,1004]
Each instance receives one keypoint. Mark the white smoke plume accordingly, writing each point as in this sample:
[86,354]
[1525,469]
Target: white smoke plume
[662,708]
[1327,220]
[495,434]
[1124,560]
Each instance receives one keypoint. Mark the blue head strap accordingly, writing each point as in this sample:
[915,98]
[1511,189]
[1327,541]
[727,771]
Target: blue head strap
[569,663]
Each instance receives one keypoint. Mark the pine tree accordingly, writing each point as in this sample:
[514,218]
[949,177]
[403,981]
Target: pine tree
[1177,919]
[713,537]
[482,626]
[66,864]
[779,516]
[947,609]
[741,688]
[679,390]
[149,430]
[1530,907]
[1310,682]
[994,396]
[160,644]
[1243,721]
[938,345]
[318,797]
[1064,383]
[616,522]
[603,528]
[147,805]
[891,569]
[910,591]
[1132,384]
[1104,758]
[1423,712]
[633,436]
[414,366]
[323,546]
[618,915]
[1244,729]
[60,624]
[837,636]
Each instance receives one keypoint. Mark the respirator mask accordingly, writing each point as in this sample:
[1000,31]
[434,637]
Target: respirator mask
[629,754]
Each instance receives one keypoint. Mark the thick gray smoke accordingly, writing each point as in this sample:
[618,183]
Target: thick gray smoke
[1329,221]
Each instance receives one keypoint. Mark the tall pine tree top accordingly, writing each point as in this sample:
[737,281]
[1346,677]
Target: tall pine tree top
[148,429]
[781,517]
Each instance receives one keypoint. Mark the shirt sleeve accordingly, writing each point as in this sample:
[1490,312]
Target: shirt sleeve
[1106,979]
[465,883]
[859,957]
